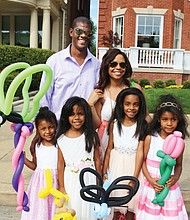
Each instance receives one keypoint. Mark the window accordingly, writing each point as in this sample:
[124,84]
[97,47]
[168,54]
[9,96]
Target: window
[177,33]
[5,30]
[118,30]
[149,31]
[22,31]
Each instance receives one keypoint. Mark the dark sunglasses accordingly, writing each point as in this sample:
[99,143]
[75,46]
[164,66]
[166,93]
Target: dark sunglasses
[114,64]
[79,31]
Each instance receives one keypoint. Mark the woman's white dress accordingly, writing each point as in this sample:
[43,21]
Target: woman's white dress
[76,158]
[106,113]
[42,208]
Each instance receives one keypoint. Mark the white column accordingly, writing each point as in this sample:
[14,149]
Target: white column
[55,35]
[46,29]
[0,29]
[34,29]
[101,52]
[12,30]
[133,57]
[178,59]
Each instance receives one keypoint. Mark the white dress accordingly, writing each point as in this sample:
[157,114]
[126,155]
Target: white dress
[42,208]
[122,162]
[76,158]
[106,113]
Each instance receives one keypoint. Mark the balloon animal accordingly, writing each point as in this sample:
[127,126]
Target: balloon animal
[21,125]
[172,148]
[60,199]
[102,198]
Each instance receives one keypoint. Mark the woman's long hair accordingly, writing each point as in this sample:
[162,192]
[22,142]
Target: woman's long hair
[104,78]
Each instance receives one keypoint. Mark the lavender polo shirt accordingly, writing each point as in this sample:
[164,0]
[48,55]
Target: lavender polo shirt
[69,79]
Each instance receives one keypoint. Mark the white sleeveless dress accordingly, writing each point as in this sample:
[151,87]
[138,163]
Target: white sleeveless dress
[76,158]
[42,209]
[122,162]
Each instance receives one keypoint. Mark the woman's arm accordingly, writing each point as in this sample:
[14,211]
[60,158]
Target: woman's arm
[96,106]
[60,171]
[107,154]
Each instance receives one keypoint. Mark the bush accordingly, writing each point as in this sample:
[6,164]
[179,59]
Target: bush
[158,84]
[186,84]
[14,54]
[32,56]
[144,82]
[170,82]
[134,80]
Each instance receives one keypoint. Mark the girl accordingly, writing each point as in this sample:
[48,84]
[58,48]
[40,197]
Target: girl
[43,156]
[78,148]
[124,155]
[114,75]
[168,117]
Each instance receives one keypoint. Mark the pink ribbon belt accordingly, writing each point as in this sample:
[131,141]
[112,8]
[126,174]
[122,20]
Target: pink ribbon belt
[102,128]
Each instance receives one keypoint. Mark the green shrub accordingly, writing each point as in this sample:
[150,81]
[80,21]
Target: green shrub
[170,82]
[186,84]
[134,80]
[143,82]
[158,84]
[153,97]
[32,56]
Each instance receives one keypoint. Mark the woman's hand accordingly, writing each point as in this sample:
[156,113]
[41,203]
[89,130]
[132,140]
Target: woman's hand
[95,96]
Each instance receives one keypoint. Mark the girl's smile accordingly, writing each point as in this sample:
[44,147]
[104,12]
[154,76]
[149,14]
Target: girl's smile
[77,118]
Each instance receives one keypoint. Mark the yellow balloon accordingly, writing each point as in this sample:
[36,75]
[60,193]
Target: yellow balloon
[48,177]
[43,193]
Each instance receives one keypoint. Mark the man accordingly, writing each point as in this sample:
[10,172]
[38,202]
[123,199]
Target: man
[75,69]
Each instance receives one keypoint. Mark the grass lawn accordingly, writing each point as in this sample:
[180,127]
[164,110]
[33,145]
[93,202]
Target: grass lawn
[152,97]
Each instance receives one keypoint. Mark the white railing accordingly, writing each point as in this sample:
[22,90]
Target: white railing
[155,57]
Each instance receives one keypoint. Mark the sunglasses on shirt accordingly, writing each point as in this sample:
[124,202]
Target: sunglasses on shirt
[79,31]
[114,64]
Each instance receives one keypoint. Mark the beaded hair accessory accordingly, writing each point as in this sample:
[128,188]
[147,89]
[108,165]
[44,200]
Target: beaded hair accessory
[168,104]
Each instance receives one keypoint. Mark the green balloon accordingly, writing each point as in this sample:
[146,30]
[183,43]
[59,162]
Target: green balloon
[6,71]
[26,74]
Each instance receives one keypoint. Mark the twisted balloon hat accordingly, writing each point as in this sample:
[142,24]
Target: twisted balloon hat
[172,148]
[21,125]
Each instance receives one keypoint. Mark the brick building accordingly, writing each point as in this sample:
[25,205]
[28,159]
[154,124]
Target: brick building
[154,34]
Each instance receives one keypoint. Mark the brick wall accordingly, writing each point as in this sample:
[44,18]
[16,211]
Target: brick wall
[179,78]
[105,19]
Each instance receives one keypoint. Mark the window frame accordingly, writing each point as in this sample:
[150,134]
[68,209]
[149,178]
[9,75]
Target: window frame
[121,29]
[160,30]
[178,46]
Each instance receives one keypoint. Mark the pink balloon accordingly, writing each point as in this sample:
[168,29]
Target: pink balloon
[25,132]
[174,144]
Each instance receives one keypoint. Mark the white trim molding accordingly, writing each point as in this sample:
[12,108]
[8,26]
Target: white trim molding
[150,10]
[119,11]
[178,14]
